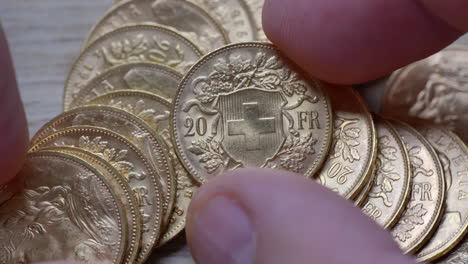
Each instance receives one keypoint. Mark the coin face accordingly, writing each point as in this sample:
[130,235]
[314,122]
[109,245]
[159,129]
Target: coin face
[140,104]
[423,212]
[130,162]
[150,77]
[138,43]
[392,184]
[362,197]
[128,126]
[234,16]
[64,210]
[122,189]
[453,155]
[434,89]
[348,166]
[256,8]
[243,106]
[181,16]
[458,256]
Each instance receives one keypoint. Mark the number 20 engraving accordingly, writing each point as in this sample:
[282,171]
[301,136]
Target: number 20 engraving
[198,127]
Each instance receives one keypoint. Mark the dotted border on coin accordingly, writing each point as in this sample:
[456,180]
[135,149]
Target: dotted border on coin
[261,45]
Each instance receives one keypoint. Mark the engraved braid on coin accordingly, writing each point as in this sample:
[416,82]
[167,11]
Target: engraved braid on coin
[423,212]
[245,106]
[130,44]
[129,161]
[156,111]
[122,189]
[349,165]
[184,17]
[391,188]
[434,89]
[453,154]
[130,127]
[65,210]
[150,77]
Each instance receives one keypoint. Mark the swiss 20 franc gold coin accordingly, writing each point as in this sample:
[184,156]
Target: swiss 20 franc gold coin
[138,43]
[234,16]
[453,155]
[434,89]
[65,210]
[256,8]
[458,256]
[131,163]
[244,106]
[362,197]
[156,112]
[392,185]
[122,189]
[150,77]
[349,164]
[422,214]
[130,127]
[182,16]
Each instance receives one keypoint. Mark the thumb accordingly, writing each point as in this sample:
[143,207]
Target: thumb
[257,216]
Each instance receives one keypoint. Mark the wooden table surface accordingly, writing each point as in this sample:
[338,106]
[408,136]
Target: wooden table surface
[45,37]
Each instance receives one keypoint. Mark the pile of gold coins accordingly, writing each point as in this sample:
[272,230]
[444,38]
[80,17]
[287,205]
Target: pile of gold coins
[168,94]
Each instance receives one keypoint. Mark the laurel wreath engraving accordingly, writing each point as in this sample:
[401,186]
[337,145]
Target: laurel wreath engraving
[346,139]
[413,216]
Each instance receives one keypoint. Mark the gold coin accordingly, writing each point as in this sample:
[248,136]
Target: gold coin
[131,163]
[391,188]
[65,210]
[184,17]
[434,89]
[354,144]
[150,77]
[122,189]
[362,197]
[138,43]
[458,256]
[130,127]
[245,106]
[256,8]
[423,212]
[140,103]
[234,16]
[453,155]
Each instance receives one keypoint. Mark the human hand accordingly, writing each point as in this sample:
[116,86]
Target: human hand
[259,216]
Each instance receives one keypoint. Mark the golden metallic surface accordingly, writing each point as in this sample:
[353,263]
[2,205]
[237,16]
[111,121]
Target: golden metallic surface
[391,188]
[130,127]
[453,155]
[150,77]
[131,44]
[159,121]
[182,16]
[244,106]
[459,255]
[256,8]
[122,189]
[65,210]
[234,16]
[422,214]
[349,164]
[130,162]
[362,197]
[434,89]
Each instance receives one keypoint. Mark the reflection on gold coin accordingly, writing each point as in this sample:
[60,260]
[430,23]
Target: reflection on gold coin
[458,256]
[187,19]
[391,188]
[139,43]
[244,106]
[434,89]
[130,162]
[453,155]
[122,189]
[349,164]
[256,7]
[424,210]
[128,126]
[159,121]
[150,77]
[65,210]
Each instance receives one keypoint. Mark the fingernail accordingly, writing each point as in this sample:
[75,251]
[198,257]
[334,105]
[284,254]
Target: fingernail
[221,232]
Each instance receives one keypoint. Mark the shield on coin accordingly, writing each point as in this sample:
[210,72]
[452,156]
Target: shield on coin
[252,122]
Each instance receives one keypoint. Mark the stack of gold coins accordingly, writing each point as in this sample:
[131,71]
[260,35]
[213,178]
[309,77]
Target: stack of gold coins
[168,94]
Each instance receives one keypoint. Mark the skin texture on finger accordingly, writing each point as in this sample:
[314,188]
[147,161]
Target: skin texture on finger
[13,125]
[257,216]
[349,42]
